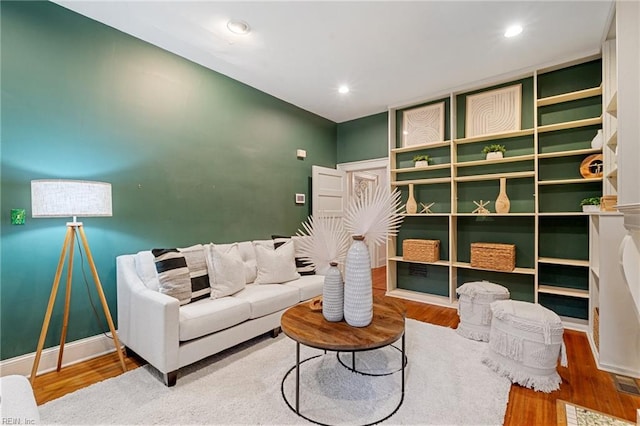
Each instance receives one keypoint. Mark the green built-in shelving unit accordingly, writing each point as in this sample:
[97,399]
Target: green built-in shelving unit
[560,114]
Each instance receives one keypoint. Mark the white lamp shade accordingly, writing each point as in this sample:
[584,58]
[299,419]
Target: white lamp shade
[66,198]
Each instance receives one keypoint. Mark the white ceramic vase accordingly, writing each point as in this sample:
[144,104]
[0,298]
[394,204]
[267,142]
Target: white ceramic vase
[333,294]
[358,290]
[421,163]
[494,155]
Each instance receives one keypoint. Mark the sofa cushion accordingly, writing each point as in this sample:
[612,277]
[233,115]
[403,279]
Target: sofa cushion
[227,275]
[303,267]
[208,316]
[309,286]
[146,269]
[248,255]
[266,299]
[173,274]
[276,265]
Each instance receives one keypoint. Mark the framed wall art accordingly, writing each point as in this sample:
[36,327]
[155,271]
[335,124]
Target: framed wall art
[423,125]
[494,111]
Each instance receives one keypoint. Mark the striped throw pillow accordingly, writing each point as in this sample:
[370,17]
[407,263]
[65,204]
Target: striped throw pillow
[198,271]
[173,274]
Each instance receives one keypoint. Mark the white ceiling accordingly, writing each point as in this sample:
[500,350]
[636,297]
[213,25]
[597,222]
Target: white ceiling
[388,52]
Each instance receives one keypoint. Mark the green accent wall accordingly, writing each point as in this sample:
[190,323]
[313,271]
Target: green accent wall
[363,139]
[193,157]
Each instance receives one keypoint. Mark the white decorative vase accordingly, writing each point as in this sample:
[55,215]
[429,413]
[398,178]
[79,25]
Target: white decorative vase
[412,205]
[333,294]
[494,155]
[422,163]
[596,142]
[590,208]
[358,287]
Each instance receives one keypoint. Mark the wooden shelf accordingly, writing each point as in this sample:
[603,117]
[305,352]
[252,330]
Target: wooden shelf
[596,271]
[420,147]
[563,214]
[425,214]
[512,175]
[564,291]
[612,106]
[568,181]
[438,263]
[498,161]
[570,125]
[494,214]
[421,181]
[571,153]
[573,96]
[417,296]
[566,262]
[422,169]
[494,136]
[521,271]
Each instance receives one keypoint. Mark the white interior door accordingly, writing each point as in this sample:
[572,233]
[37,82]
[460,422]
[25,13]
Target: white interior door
[328,191]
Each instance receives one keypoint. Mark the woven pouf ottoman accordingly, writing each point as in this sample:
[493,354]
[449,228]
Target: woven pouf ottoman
[474,311]
[525,344]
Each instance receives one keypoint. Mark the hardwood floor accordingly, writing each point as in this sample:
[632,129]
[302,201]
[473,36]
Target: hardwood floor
[582,383]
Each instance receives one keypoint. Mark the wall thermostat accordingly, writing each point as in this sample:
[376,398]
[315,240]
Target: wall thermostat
[300,198]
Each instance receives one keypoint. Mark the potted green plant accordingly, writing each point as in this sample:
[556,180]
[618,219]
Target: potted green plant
[494,151]
[590,204]
[421,160]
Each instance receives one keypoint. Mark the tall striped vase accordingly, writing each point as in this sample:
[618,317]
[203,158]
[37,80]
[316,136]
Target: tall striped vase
[358,290]
[333,294]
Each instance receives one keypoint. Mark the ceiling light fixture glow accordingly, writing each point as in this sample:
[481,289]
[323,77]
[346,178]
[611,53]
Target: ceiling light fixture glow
[238,27]
[343,89]
[513,31]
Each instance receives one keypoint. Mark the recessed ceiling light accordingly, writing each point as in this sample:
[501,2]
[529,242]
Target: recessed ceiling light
[343,89]
[238,27]
[513,31]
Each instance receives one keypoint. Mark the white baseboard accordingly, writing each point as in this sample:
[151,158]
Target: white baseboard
[74,352]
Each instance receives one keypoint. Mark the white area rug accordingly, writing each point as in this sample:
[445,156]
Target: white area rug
[446,383]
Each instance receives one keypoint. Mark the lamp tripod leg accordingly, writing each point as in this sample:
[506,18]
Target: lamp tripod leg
[103,300]
[67,298]
[52,299]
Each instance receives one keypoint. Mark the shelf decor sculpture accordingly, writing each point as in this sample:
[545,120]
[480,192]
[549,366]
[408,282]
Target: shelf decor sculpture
[426,208]
[481,207]
[591,166]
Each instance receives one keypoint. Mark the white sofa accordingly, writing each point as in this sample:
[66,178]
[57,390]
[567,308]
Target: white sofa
[169,335]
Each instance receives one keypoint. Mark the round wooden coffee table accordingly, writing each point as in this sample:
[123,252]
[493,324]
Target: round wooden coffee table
[309,328]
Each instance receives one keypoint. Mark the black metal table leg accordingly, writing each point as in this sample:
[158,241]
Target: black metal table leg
[353,361]
[298,378]
[403,363]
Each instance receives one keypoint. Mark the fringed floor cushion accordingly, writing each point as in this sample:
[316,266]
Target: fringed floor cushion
[474,310]
[525,344]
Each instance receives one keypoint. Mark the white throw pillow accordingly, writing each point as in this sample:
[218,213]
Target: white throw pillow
[226,271]
[276,266]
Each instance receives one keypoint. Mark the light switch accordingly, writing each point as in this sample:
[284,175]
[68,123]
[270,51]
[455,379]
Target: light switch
[301,153]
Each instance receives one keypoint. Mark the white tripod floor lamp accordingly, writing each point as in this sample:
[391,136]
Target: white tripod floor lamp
[71,198]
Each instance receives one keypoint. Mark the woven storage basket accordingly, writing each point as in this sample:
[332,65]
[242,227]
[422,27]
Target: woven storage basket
[421,250]
[494,256]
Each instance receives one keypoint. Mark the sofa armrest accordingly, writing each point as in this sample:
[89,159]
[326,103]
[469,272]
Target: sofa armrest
[148,321]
